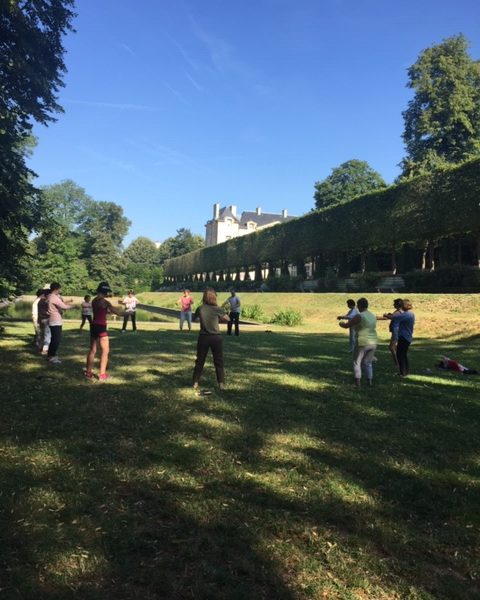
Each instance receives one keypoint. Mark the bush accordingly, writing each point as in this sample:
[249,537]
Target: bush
[288,317]
[253,312]
[451,278]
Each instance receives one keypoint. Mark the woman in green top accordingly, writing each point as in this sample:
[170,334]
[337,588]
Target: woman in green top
[210,314]
[365,325]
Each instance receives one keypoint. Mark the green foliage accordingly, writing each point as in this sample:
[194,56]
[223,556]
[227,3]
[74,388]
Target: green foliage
[432,207]
[182,243]
[442,121]
[288,317]
[31,69]
[350,180]
[142,251]
[253,312]
[452,278]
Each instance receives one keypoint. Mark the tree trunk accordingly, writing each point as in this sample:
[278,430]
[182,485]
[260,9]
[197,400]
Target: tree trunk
[431,255]
[285,270]
[363,262]
[394,261]
[424,257]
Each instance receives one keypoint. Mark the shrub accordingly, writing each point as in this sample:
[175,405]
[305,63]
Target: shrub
[288,317]
[451,278]
[253,312]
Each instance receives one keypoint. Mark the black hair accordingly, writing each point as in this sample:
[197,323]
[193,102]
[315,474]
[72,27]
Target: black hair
[350,303]
[55,286]
[362,303]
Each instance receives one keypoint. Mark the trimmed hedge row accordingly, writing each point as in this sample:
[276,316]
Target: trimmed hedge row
[421,211]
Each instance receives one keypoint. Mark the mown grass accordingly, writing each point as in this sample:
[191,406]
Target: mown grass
[290,484]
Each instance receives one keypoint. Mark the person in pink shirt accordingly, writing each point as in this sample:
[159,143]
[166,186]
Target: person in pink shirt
[56,307]
[185,302]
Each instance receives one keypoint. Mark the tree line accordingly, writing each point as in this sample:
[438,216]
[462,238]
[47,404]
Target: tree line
[423,213]
[78,241]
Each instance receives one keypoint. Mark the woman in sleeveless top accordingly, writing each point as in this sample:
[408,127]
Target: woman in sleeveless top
[365,325]
[101,307]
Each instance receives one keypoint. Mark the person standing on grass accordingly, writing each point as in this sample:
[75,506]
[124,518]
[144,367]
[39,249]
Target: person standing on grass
[352,312]
[45,337]
[365,324]
[86,311]
[35,321]
[234,304]
[393,328]
[101,307]
[185,302]
[56,307]
[210,314]
[406,324]
[130,303]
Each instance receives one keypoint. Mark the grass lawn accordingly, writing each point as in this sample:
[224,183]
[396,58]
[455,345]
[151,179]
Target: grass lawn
[289,485]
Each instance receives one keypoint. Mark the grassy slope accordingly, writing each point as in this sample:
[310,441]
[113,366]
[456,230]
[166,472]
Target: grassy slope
[289,485]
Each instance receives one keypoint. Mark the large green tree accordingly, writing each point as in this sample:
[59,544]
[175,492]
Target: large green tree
[31,70]
[442,121]
[351,179]
[184,242]
[78,239]
[142,270]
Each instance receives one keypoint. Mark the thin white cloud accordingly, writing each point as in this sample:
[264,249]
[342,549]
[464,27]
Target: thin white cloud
[177,94]
[127,48]
[114,105]
[107,160]
[195,84]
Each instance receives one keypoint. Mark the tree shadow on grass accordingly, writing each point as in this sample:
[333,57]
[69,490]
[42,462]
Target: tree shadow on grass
[142,490]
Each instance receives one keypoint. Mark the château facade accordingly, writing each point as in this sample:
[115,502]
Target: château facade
[226,224]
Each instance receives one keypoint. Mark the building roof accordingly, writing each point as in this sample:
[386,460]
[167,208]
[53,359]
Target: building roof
[262,219]
[226,213]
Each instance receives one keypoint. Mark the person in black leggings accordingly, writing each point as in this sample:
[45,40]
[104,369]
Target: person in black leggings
[405,321]
[210,314]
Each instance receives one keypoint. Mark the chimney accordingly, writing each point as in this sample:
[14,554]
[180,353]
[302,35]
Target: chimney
[216,211]
[258,210]
[233,209]
[284,213]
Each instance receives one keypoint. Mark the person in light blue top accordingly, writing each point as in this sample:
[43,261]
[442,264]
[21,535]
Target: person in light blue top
[406,324]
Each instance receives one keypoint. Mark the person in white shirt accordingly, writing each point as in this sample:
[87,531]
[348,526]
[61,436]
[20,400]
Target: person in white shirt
[234,305]
[130,303]
[352,312]
[36,324]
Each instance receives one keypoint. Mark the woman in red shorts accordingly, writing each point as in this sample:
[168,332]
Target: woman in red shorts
[101,307]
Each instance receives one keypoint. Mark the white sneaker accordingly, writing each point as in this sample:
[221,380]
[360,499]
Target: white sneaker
[54,360]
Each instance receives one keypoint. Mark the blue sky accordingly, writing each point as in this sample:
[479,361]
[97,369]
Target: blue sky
[173,105]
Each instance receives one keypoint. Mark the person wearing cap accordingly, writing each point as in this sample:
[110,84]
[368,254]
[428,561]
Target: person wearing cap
[130,303]
[101,307]
[56,308]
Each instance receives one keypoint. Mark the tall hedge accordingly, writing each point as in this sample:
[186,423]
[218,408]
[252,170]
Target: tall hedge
[423,210]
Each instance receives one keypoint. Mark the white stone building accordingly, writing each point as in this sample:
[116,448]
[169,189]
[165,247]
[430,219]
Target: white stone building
[226,224]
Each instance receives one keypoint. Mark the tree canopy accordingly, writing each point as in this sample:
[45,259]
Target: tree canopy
[351,179]
[184,242]
[31,70]
[442,121]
